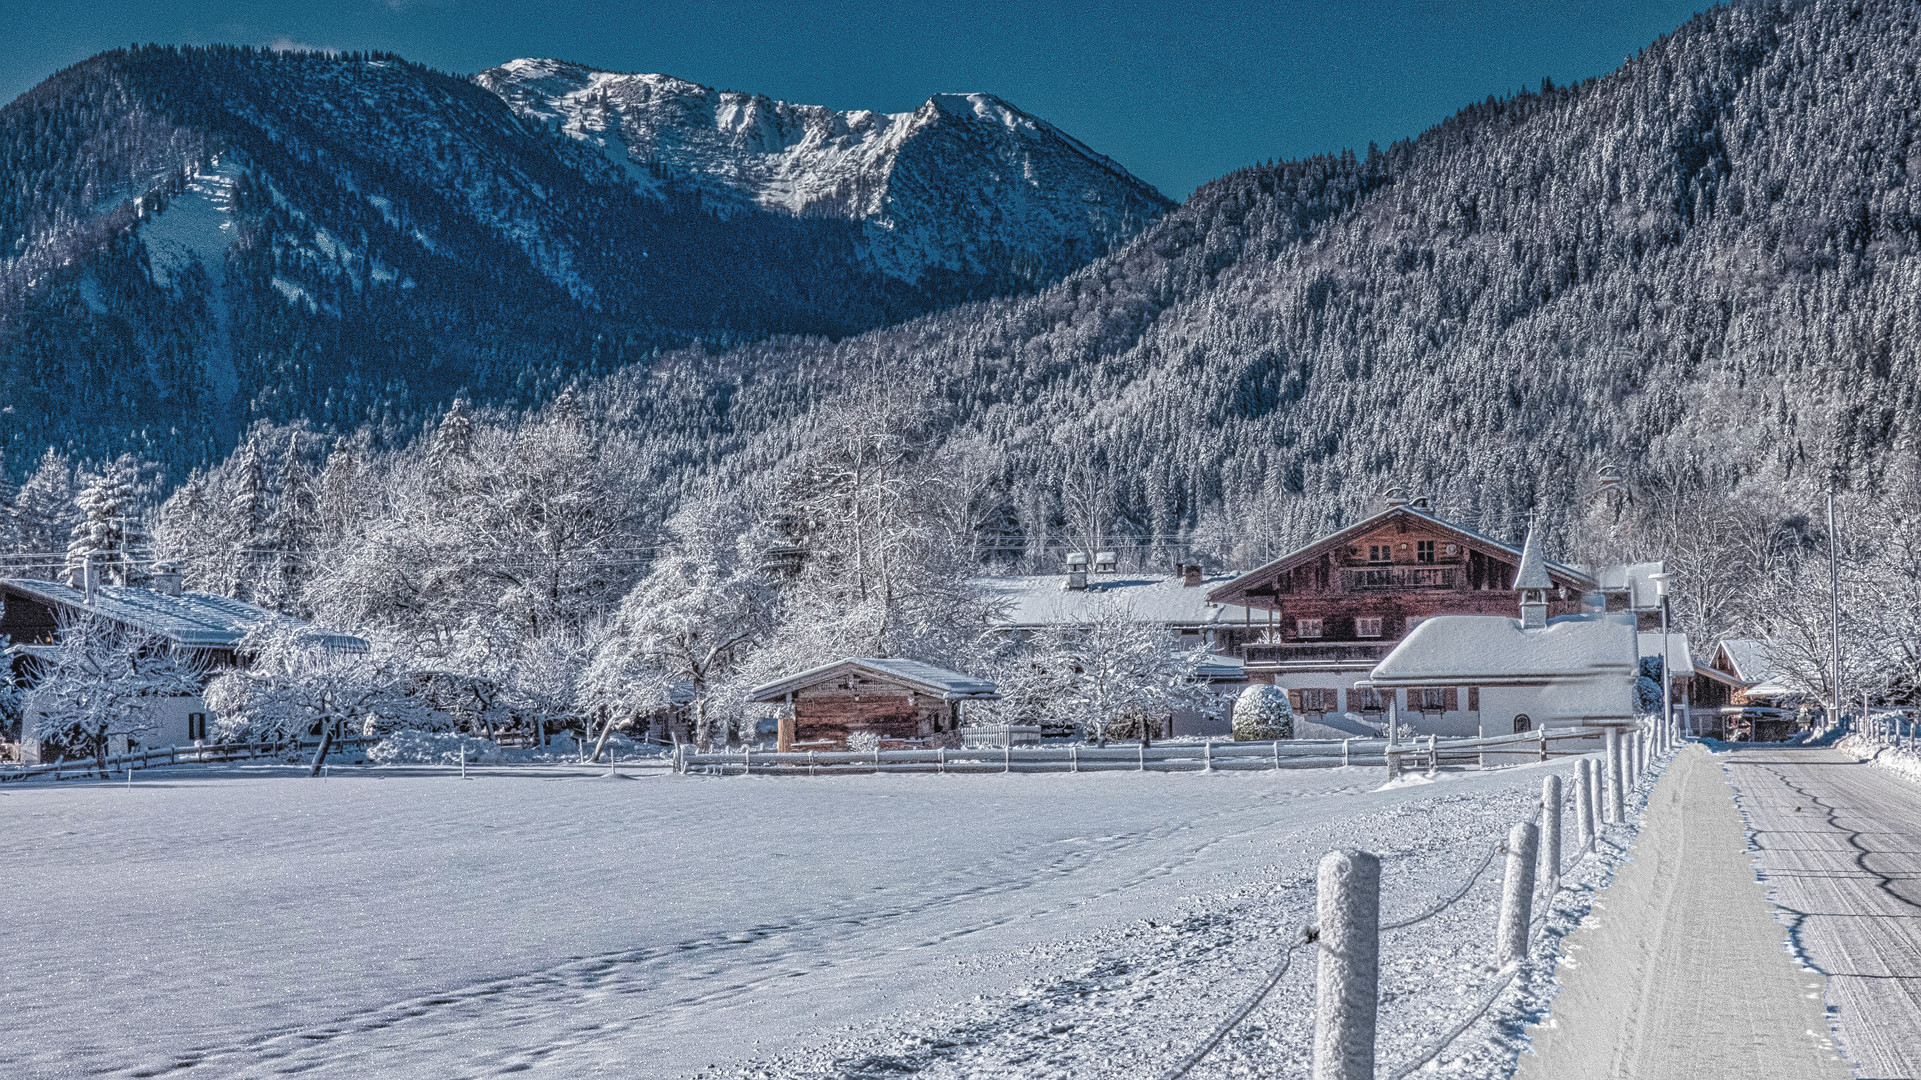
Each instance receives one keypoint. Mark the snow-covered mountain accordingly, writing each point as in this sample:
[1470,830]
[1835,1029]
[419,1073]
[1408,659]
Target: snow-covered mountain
[191,238]
[966,184]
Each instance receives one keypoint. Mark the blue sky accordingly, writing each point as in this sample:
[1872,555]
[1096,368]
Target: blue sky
[1177,92]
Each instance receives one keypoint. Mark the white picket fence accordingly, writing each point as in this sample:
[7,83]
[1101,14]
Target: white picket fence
[1428,753]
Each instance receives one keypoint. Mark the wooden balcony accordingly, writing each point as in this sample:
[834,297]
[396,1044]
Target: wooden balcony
[1402,577]
[1317,652]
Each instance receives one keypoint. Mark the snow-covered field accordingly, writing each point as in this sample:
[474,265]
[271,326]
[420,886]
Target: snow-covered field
[402,922]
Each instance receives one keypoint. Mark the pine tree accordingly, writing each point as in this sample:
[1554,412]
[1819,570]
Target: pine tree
[44,517]
[110,533]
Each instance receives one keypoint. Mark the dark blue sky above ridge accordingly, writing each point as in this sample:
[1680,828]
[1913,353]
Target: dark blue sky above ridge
[1179,93]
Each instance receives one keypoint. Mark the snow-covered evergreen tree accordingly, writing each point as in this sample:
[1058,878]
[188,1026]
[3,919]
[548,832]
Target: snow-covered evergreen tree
[44,516]
[110,535]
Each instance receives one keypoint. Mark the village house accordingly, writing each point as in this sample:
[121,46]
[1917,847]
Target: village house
[892,699]
[1527,674]
[206,628]
[1318,620]
[1740,693]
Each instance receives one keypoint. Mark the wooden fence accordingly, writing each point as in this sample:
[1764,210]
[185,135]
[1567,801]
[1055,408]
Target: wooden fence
[211,754]
[1429,753]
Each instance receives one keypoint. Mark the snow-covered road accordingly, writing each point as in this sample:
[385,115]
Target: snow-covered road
[409,924]
[1840,850]
[1681,972]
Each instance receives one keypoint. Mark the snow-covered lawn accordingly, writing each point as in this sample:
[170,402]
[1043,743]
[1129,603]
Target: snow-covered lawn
[396,922]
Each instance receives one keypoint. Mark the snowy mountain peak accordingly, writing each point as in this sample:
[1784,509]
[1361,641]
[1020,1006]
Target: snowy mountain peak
[948,187]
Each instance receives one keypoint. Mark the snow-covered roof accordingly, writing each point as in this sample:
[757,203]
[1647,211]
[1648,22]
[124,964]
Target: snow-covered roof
[1680,659]
[1044,600]
[193,619]
[1480,649]
[1533,570]
[1748,657]
[942,682]
[1215,667]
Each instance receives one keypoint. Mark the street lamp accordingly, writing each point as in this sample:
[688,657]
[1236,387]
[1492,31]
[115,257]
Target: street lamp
[1667,687]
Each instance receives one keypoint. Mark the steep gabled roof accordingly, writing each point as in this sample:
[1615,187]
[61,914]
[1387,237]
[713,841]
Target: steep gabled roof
[946,684]
[1233,591]
[1749,659]
[193,620]
[1533,570]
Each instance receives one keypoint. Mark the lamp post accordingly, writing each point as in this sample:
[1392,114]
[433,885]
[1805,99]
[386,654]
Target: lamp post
[1667,687]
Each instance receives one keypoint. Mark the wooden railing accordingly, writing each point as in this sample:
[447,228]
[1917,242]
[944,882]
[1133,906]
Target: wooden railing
[1428,752]
[157,757]
[1401,577]
[1318,652]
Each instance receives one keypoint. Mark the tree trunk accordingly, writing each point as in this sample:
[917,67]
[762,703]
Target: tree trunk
[606,728]
[326,744]
[100,750]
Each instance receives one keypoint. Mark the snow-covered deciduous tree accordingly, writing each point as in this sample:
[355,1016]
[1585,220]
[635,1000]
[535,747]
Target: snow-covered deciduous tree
[100,682]
[1261,713]
[293,685]
[686,626]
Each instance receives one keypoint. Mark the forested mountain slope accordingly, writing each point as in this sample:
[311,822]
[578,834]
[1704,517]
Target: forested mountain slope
[1704,267]
[190,238]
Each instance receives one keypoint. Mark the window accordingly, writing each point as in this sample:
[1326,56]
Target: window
[1424,551]
[1522,724]
[1380,553]
[1307,628]
[1367,699]
[196,725]
[1433,699]
[1317,700]
[1367,626]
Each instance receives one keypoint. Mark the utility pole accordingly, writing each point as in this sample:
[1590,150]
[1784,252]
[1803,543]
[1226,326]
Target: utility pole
[1667,684]
[1834,583]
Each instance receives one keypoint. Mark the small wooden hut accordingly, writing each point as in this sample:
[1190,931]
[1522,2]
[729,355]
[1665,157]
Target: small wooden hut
[890,698]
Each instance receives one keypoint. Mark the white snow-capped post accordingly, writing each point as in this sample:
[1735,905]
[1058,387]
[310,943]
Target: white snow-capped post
[1207,756]
[1433,757]
[1393,734]
[1344,743]
[463,757]
[1517,894]
[1347,987]
[1584,802]
[1615,795]
[1543,730]
[1550,834]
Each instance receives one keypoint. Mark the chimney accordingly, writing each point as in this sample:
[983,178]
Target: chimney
[1395,496]
[1191,576]
[166,579]
[1076,570]
[1418,502]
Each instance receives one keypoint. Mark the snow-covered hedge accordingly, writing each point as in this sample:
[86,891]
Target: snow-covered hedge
[411,746]
[1262,713]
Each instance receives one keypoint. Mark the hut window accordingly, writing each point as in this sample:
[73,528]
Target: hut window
[1424,551]
[1522,724]
[1307,628]
[196,725]
[1380,553]
[1367,626]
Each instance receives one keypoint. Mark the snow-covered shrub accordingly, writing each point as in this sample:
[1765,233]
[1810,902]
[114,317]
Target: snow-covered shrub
[1647,686]
[411,746]
[862,742]
[1262,713]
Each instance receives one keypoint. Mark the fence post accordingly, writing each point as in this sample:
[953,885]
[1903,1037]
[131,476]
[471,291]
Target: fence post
[1551,835]
[1347,989]
[1584,808]
[1611,766]
[1543,741]
[1007,754]
[1207,755]
[1433,756]
[1517,894]
[1344,743]
[1073,759]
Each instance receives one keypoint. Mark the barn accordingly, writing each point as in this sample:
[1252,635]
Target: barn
[890,698]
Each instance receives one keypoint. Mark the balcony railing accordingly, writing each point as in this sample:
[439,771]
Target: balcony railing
[1317,652]
[1401,577]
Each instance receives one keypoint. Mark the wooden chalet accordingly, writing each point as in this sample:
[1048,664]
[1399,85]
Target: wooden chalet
[894,699]
[1318,619]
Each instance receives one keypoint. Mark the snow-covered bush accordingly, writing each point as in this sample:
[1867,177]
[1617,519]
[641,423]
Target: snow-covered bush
[862,742]
[411,746]
[1262,713]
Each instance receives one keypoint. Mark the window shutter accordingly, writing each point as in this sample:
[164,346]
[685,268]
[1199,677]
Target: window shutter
[1294,700]
[1473,699]
[1453,698]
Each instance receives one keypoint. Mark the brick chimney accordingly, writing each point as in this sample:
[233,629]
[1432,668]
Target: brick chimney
[1191,575]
